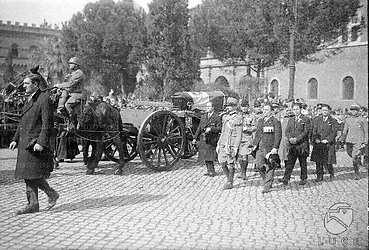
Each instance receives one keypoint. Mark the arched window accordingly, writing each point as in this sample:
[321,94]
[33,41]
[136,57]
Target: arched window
[312,88]
[274,85]
[14,50]
[221,80]
[348,88]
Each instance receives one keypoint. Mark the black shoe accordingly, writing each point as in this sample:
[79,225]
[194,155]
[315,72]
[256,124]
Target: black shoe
[29,209]
[331,177]
[265,190]
[318,180]
[52,200]
[302,182]
[285,182]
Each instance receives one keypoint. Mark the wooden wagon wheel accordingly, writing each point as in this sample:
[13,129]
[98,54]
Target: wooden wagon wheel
[130,145]
[161,140]
[192,121]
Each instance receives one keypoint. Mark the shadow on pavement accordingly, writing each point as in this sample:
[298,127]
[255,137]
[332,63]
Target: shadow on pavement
[7,178]
[103,202]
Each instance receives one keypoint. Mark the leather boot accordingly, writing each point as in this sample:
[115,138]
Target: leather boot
[207,168]
[356,170]
[229,184]
[32,206]
[243,166]
[52,195]
[212,170]
[225,169]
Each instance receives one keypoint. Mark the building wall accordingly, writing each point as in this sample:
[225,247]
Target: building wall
[352,61]
[24,36]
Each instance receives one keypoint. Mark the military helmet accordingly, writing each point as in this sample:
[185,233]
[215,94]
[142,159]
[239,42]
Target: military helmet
[74,60]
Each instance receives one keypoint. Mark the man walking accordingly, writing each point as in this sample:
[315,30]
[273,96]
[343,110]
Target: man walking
[35,140]
[355,134]
[229,141]
[324,134]
[208,131]
[297,136]
[267,140]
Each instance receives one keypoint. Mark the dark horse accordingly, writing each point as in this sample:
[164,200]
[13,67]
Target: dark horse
[98,122]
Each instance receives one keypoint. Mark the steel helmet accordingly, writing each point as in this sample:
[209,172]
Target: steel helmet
[74,60]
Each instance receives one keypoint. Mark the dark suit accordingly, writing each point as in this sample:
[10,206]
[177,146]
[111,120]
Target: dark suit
[324,130]
[268,136]
[208,141]
[297,128]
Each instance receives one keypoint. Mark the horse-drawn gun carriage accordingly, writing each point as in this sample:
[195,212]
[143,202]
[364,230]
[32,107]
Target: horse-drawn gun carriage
[165,135]
[161,138]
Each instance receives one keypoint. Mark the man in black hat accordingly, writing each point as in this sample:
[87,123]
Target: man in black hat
[355,134]
[297,135]
[324,134]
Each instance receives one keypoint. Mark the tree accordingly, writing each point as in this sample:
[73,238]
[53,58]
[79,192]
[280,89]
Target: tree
[172,61]
[256,32]
[109,38]
[9,72]
[49,57]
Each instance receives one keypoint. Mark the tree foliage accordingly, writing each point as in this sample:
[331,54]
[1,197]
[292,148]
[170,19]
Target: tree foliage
[49,58]
[9,72]
[172,63]
[109,38]
[258,31]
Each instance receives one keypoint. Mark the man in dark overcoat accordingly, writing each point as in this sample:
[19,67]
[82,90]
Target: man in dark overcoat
[35,140]
[267,140]
[324,134]
[208,132]
[297,136]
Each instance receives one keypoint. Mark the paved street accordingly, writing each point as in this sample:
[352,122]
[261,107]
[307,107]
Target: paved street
[180,209]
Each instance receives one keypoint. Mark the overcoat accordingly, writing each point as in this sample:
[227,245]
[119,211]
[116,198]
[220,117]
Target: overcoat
[36,123]
[325,130]
[207,142]
[298,128]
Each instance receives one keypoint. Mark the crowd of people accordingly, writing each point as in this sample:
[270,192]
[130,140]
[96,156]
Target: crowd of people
[276,134]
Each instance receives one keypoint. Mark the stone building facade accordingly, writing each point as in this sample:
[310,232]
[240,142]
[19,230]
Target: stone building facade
[19,40]
[338,80]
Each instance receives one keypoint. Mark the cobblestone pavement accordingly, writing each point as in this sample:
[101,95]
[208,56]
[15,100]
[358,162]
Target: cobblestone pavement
[180,209]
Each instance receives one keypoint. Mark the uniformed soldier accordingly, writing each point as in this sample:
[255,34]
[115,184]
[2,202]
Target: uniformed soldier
[248,128]
[229,141]
[71,89]
[297,135]
[324,132]
[267,140]
[355,134]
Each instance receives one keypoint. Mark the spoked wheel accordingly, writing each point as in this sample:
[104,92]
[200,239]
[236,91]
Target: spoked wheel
[129,136]
[161,140]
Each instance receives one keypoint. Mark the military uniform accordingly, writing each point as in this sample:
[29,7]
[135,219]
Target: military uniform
[249,122]
[230,137]
[73,89]
[268,136]
[229,142]
[355,134]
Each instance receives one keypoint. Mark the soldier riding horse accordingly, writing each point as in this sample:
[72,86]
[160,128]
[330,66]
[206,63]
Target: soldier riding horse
[98,122]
